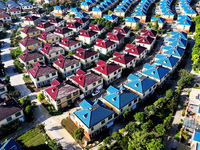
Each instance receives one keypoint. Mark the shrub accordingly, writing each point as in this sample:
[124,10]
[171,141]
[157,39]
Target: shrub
[102,147]
[78,134]
[180,125]
[40,96]
[7,79]
[107,140]
[183,113]
[177,136]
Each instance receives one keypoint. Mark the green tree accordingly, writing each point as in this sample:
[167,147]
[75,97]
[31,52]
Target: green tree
[160,102]
[150,110]
[169,94]
[140,117]
[7,79]
[107,140]
[28,110]
[160,129]
[109,12]
[78,134]
[25,101]
[167,122]
[70,53]
[156,25]
[52,144]
[40,96]
[116,136]
[155,144]
[131,127]
[197,19]
[102,147]
[147,126]
[137,27]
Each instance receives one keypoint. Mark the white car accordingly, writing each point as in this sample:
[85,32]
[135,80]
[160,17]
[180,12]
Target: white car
[95,92]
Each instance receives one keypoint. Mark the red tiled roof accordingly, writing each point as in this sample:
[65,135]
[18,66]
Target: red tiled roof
[2,11]
[60,56]
[86,79]
[66,62]
[123,30]
[27,30]
[146,40]
[73,24]
[96,27]
[79,72]
[55,20]
[123,58]
[48,49]
[27,56]
[29,41]
[69,43]
[151,33]
[13,9]
[30,18]
[3,15]
[62,90]
[47,36]
[55,82]
[115,36]
[86,33]
[107,68]
[62,30]
[104,43]
[38,12]
[101,62]
[138,37]
[44,25]
[134,49]
[84,54]
[81,20]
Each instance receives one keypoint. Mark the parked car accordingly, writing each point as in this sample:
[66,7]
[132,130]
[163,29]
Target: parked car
[95,92]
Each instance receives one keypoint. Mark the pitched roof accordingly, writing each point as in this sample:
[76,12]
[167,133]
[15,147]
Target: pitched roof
[150,33]
[44,25]
[81,20]
[84,54]
[55,82]
[10,145]
[28,29]
[115,36]
[69,43]
[30,18]
[104,43]
[123,30]
[55,20]
[27,56]
[13,9]
[57,92]
[166,60]
[53,48]
[47,36]
[177,51]
[132,19]
[3,15]
[86,79]
[120,98]
[62,30]
[197,135]
[107,68]
[93,113]
[66,62]
[122,58]
[87,33]
[134,49]
[2,11]
[96,27]
[29,41]
[38,12]
[146,40]
[73,25]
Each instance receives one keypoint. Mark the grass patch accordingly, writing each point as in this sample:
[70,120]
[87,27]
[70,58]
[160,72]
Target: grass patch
[197,70]
[26,78]
[15,53]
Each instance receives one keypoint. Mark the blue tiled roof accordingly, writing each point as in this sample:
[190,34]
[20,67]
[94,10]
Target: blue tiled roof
[27,4]
[81,14]
[97,9]
[139,82]
[184,17]
[184,22]
[3,6]
[15,5]
[10,2]
[179,34]
[199,110]
[21,1]
[59,7]
[112,89]
[110,17]
[175,51]
[75,10]
[10,145]
[160,20]
[93,114]
[197,136]
[180,43]
[86,3]
[120,10]
[166,60]
[120,99]
[156,71]
[132,19]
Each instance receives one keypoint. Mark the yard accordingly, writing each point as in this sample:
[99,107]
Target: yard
[32,140]
[15,53]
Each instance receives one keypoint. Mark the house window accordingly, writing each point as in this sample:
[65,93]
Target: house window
[94,84]
[34,45]
[150,90]
[56,38]
[53,74]
[56,53]
[38,44]
[52,39]
[41,58]
[2,89]
[108,76]
[61,51]
[69,96]
[121,110]
[64,70]
[72,67]
[58,101]
[49,55]
[18,114]
[119,70]
[110,117]
[99,81]
[75,93]
[9,119]
[79,44]
[74,45]
[92,128]
[92,58]
[47,76]
[38,79]
[115,73]
[129,104]
[96,56]
[86,88]
[135,101]
[102,122]
[77,64]
[35,60]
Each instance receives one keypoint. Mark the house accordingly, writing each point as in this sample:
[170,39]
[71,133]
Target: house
[31,20]
[120,12]
[86,6]
[30,32]
[70,44]
[51,52]
[3,6]
[116,37]
[75,10]
[88,36]
[124,60]
[14,11]
[141,85]
[83,21]
[120,99]
[109,71]
[195,144]
[45,26]
[10,144]
[178,34]
[183,25]
[29,58]
[167,61]
[49,38]
[15,5]
[160,20]
[27,6]
[20,2]
[57,22]
[146,42]
[2,10]
[3,88]
[111,18]
[67,66]
[122,30]
[62,94]
[105,46]
[88,82]
[64,32]
[132,22]
[149,33]
[60,11]
[5,17]
[75,26]
[82,15]
[97,12]
[156,72]
[136,50]
[10,2]
[42,74]
[29,43]
[87,57]
[178,42]
[174,51]
[10,111]
[97,28]
[39,13]
[93,117]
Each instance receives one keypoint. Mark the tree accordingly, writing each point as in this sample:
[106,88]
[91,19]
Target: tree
[167,122]
[140,117]
[116,136]
[155,144]
[78,134]
[28,110]
[169,94]
[70,53]
[41,127]
[197,19]
[160,102]
[109,12]
[156,25]
[150,110]
[160,129]
[7,79]
[40,96]
[131,127]
[107,140]
[52,144]
[25,101]
[102,147]
[137,27]
[147,126]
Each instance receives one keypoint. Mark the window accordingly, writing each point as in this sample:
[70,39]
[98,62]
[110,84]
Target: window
[94,83]
[99,81]
[115,73]
[47,76]
[2,89]
[53,74]
[75,93]
[58,101]
[119,70]
[150,90]
[56,53]
[72,67]
[96,56]
[64,70]
[56,38]
[61,51]
[49,55]
[108,76]
[52,40]
[69,96]
[129,104]
[18,114]
[86,88]
[74,45]
[92,58]
[9,119]
[38,44]
[34,45]
[144,94]
[38,79]
[86,60]
[110,117]
[102,122]
[92,128]
[79,44]
[35,60]
[77,64]
[135,101]
[121,110]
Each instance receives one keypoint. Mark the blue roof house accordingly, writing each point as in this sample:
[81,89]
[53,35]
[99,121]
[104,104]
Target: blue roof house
[75,10]
[156,72]
[161,21]
[183,25]
[178,42]
[2,6]
[20,2]
[132,22]
[93,117]
[141,85]
[179,34]
[10,145]
[97,11]
[174,51]
[85,6]
[120,99]
[8,3]
[15,5]
[195,144]
[82,15]
[120,11]
[111,18]
[27,6]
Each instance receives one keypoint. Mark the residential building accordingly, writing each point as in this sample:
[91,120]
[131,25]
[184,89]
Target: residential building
[60,11]
[64,32]
[30,32]
[87,57]
[177,42]
[132,22]
[97,12]
[51,52]
[88,36]
[39,13]
[178,34]
[120,99]
[97,28]
[160,20]
[184,25]
[45,26]
[82,15]
[146,42]
[62,94]
[10,2]
[29,43]
[49,38]
[15,5]
[83,21]
[5,17]
[70,45]
[141,85]
[122,30]
[111,18]
[57,22]
[67,66]
[105,46]
[174,51]
[29,58]
[31,20]
[195,144]
[75,26]
[3,88]
[42,74]
[27,6]
[88,82]
[10,111]
[116,37]
[149,33]
[93,117]
[109,71]
[14,12]
[124,60]
[86,6]
[75,10]
[9,145]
